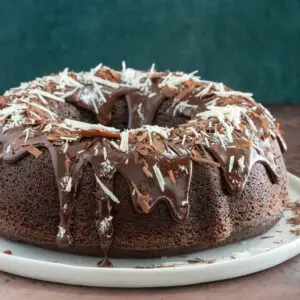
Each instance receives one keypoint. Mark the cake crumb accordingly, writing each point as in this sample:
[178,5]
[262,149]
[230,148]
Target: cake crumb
[267,237]
[295,208]
[201,261]
[241,254]
[295,231]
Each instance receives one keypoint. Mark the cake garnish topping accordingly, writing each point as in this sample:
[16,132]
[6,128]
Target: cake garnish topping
[159,177]
[107,191]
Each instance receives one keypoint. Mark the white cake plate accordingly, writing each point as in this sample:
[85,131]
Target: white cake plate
[242,258]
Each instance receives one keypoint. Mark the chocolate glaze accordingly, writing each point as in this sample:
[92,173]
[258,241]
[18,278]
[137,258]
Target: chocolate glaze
[146,189]
[236,179]
[139,105]
[140,111]
[104,223]
[175,194]
[12,152]
[66,168]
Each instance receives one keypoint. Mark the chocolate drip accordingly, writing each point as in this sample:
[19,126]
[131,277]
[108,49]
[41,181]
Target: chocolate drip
[141,110]
[100,104]
[67,173]
[11,158]
[236,165]
[11,144]
[104,223]
[174,190]
[104,180]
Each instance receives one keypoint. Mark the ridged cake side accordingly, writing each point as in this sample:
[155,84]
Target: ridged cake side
[215,216]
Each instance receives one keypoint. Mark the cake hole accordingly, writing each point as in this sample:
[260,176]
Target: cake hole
[119,115]
[164,116]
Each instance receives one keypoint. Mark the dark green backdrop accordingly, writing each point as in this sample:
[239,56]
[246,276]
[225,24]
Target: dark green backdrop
[252,45]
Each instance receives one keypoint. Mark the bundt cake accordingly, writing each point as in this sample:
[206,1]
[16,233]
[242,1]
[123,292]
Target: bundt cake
[136,163]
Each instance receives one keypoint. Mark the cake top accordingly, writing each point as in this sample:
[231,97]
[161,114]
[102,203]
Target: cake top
[33,105]
[218,118]
[218,115]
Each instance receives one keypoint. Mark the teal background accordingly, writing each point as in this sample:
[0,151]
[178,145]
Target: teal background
[251,45]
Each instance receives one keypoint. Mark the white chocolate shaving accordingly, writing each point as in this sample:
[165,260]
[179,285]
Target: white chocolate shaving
[106,190]
[124,141]
[159,177]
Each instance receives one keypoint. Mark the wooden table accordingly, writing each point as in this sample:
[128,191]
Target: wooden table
[281,282]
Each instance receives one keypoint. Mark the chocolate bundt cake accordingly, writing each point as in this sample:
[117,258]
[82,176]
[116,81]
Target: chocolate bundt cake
[136,163]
